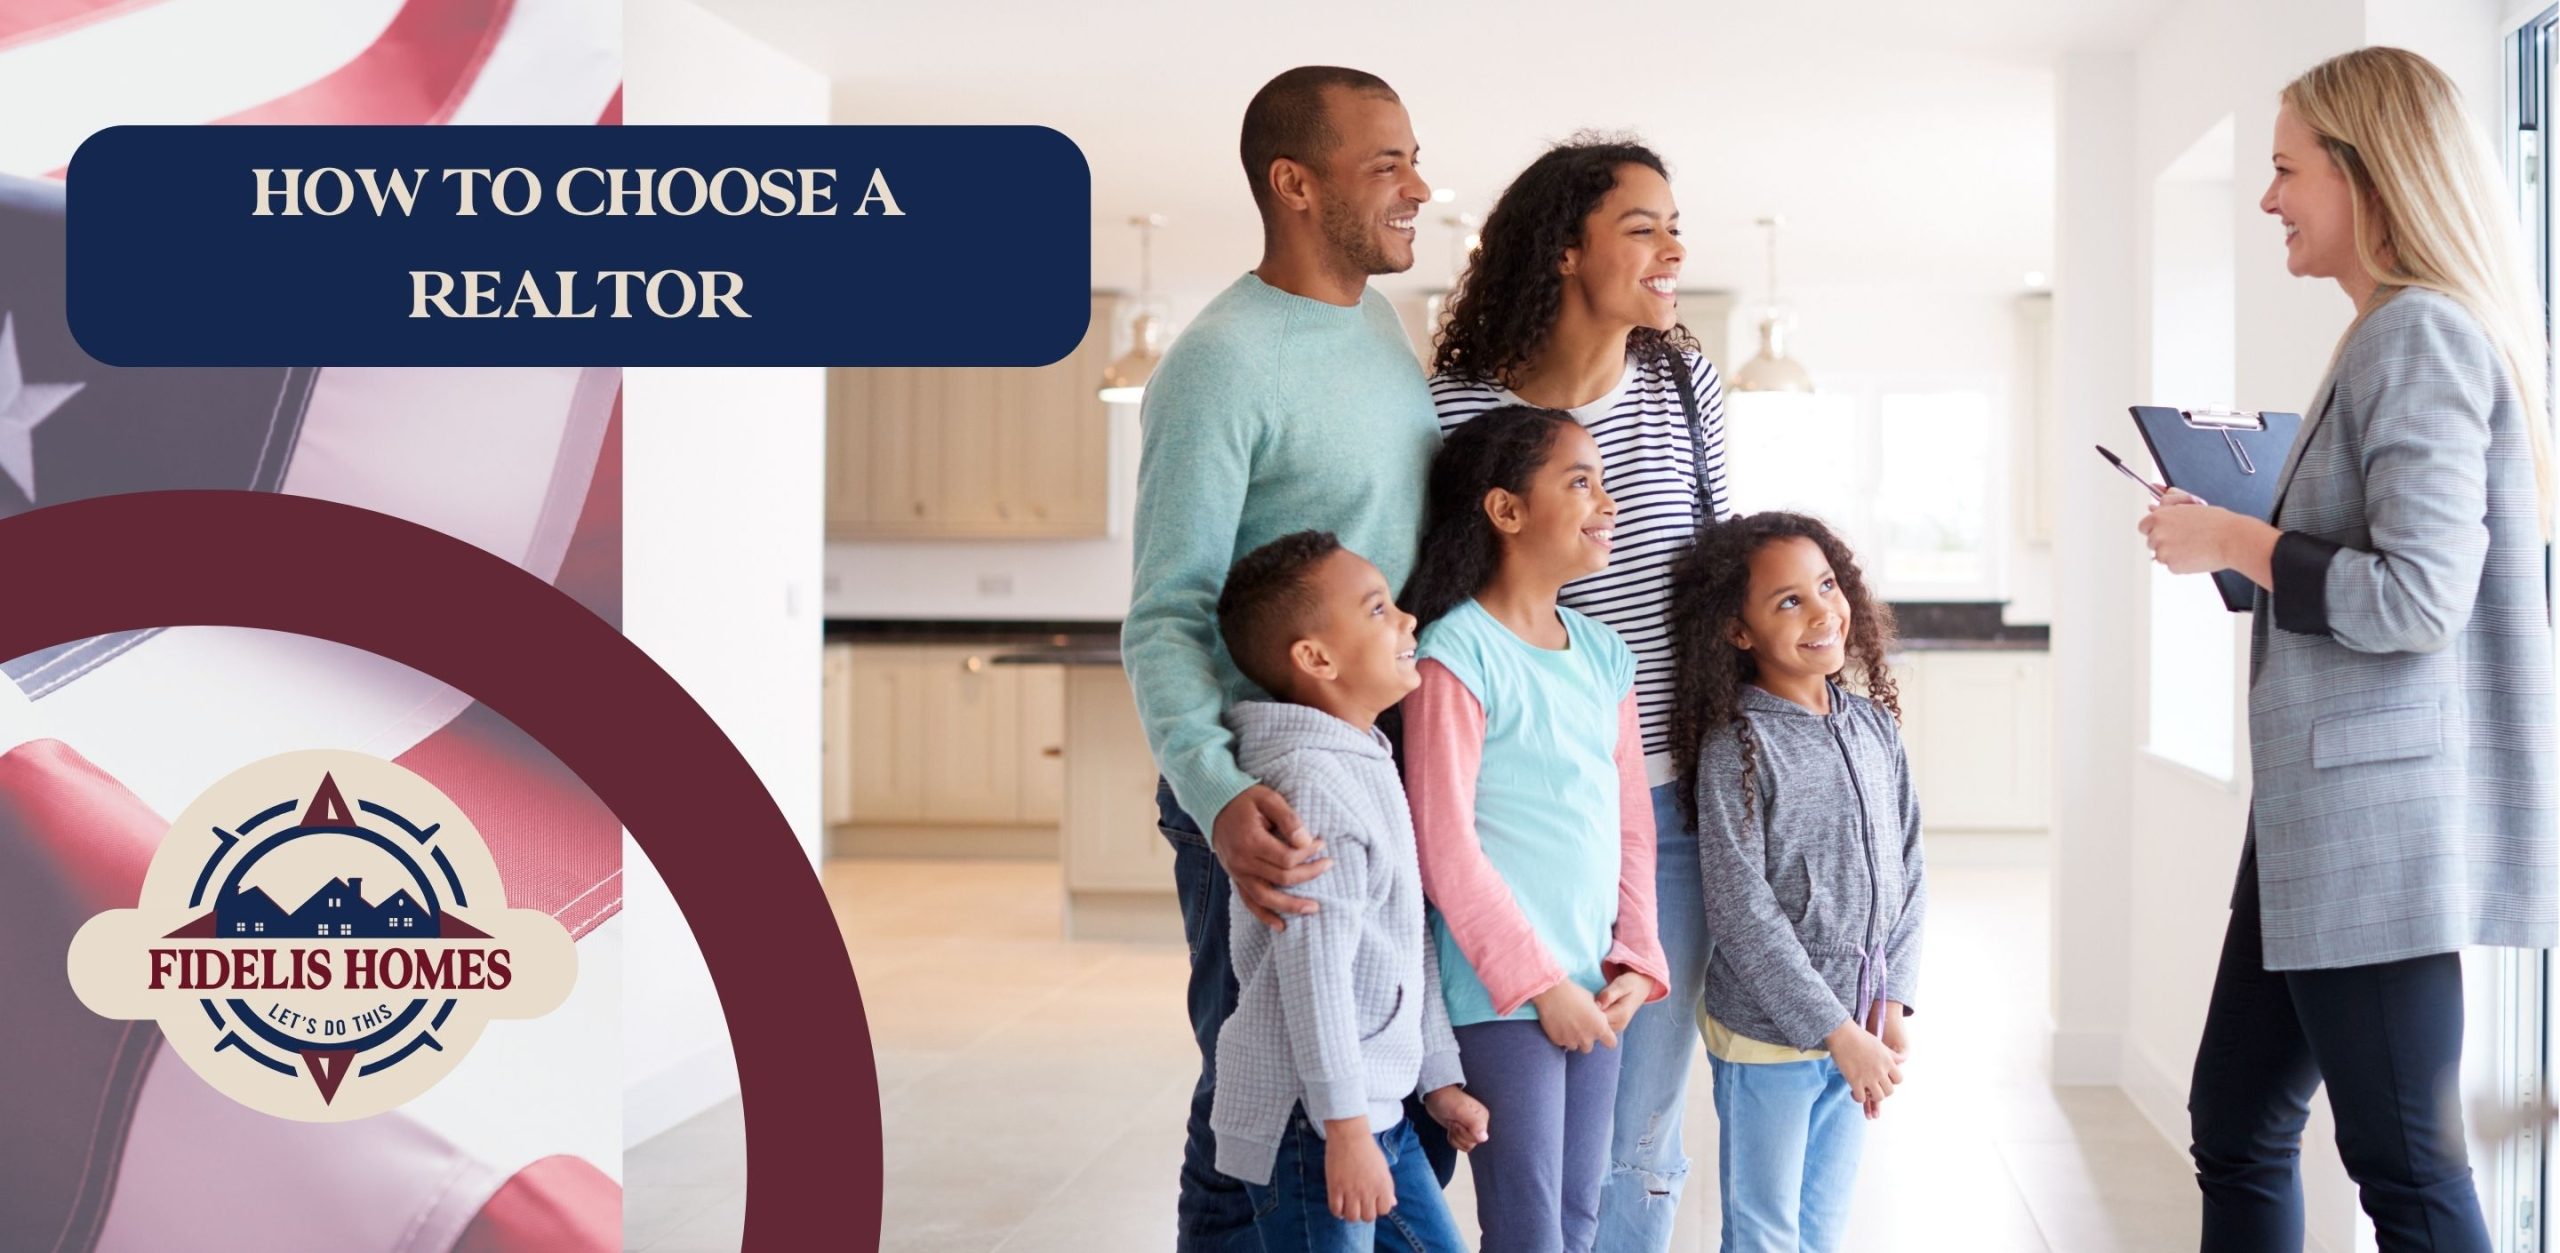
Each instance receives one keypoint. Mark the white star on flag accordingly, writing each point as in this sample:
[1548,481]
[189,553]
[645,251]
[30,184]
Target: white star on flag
[22,406]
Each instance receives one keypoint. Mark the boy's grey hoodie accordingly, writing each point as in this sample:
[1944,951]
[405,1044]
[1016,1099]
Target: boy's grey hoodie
[1827,867]
[1342,1010]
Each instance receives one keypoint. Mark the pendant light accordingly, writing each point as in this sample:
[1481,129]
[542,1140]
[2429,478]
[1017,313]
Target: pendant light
[1771,369]
[1124,381]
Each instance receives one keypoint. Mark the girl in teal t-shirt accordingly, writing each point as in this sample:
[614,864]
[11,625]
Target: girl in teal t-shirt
[1531,811]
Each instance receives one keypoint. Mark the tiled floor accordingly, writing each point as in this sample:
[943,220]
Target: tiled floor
[1033,1089]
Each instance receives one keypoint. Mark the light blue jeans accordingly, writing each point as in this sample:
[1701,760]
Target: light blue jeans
[1646,1165]
[1787,1155]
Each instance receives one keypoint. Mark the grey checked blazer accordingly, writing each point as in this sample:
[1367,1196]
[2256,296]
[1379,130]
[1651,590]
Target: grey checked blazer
[2400,686]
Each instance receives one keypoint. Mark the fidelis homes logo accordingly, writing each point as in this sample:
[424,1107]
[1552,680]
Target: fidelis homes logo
[322,936]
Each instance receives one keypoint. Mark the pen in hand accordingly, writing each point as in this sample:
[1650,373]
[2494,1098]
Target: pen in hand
[2158,493]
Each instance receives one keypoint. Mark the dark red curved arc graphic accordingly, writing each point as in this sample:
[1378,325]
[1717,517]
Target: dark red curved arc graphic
[574,684]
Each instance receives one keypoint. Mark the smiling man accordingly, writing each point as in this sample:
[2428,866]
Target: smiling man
[1293,402]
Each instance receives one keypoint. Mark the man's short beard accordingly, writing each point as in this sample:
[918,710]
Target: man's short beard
[1355,239]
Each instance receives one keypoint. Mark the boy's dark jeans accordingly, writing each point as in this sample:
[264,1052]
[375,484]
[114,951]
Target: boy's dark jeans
[1213,1215]
[1294,1212]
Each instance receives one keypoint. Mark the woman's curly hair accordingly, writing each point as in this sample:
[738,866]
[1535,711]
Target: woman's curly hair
[1708,585]
[1506,304]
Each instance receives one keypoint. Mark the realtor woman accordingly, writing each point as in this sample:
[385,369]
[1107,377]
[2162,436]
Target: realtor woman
[2400,685]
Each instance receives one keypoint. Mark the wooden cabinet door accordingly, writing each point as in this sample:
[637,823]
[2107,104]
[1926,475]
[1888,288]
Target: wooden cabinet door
[2035,741]
[849,484]
[917,453]
[972,449]
[835,736]
[972,729]
[1981,773]
[1042,748]
[1061,436]
[901,410]
[1911,686]
[885,737]
[1110,835]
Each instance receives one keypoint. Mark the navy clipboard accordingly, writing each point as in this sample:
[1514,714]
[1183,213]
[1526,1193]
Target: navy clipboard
[2226,457]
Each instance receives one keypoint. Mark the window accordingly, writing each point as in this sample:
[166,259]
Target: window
[2518,1170]
[346,928]
[1933,496]
[1909,470]
[262,928]
[239,928]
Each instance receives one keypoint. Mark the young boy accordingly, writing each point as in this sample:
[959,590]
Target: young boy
[1339,1016]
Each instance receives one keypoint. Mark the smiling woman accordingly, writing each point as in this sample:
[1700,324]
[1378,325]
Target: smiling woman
[1572,304]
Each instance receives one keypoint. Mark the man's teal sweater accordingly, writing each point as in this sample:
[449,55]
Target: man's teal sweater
[1272,413]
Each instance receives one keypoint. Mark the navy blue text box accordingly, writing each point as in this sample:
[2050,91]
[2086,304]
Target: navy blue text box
[988,262]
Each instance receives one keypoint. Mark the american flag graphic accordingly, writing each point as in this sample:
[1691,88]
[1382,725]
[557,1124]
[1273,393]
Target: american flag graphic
[107,1142]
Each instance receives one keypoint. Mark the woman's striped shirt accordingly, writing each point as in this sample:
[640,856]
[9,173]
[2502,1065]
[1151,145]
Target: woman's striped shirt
[1649,468]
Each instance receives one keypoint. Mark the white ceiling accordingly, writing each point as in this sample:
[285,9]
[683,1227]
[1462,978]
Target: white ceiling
[1906,144]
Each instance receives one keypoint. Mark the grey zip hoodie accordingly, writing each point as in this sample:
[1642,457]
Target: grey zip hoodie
[1824,875]
[1342,1010]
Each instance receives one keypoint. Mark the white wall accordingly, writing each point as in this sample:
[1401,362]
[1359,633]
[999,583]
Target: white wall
[2094,321]
[723,503]
[2133,982]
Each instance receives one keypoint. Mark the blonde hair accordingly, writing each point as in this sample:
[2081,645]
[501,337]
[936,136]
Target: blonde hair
[2430,209]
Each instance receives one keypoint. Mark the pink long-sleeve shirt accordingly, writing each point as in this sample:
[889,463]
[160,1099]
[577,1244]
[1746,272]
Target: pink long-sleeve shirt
[1444,743]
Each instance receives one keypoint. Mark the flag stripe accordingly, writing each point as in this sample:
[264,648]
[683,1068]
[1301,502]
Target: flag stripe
[72,843]
[27,21]
[501,458]
[557,62]
[557,847]
[414,75]
[558,1203]
[203,1171]
[177,61]
[136,1045]
[591,570]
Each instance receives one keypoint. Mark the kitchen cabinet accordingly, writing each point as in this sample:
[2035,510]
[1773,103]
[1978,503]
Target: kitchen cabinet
[835,727]
[884,733]
[940,735]
[916,453]
[1977,727]
[1119,870]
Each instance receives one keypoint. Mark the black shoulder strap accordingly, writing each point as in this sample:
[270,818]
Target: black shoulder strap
[1674,361]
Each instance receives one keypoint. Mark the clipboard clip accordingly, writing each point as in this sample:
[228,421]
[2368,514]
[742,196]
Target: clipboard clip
[2226,421]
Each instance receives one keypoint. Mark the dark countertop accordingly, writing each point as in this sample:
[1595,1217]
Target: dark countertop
[1086,643]
[1006,635]
[2011,644]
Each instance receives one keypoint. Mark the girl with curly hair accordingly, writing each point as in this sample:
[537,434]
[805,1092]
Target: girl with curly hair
[1809,832]
[1525,771]
[1571,305]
